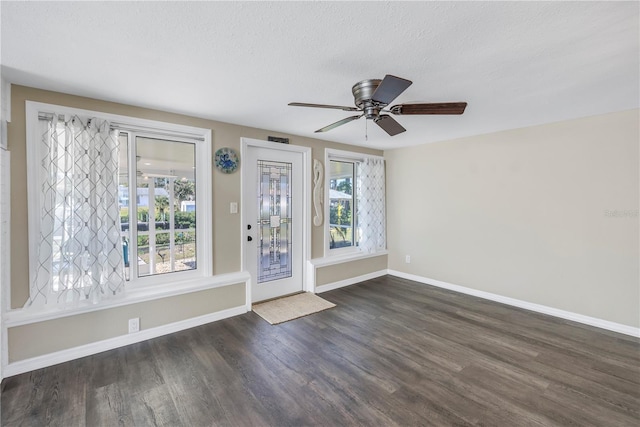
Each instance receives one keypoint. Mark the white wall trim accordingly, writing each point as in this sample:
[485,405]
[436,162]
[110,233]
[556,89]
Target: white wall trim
[5,252]
[353,155]
[538,308]
[5,208]
[50,359]
[334,260]
[311,277]
[5,103]
[349,281]
[27,316]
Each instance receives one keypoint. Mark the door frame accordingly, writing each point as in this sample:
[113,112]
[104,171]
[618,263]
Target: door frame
[245,143]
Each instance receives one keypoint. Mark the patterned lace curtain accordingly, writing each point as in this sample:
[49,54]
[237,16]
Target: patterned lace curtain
[80,247]
[371,205]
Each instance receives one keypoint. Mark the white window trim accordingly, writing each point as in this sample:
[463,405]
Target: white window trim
[332,154]
[5,111]
[354,208]
[152,280]
[5,255]
[204,218]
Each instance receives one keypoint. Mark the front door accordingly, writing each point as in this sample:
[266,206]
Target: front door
[273,207]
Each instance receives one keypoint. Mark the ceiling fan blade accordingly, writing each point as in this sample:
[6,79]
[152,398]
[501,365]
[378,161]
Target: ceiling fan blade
[432,108]
[338,123]
[389,125]
[335,107]
[390,88]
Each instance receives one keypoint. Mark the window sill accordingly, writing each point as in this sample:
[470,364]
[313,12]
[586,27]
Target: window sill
[339,259]
[25,316]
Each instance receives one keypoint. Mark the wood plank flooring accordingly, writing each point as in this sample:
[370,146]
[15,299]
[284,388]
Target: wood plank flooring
[393,352]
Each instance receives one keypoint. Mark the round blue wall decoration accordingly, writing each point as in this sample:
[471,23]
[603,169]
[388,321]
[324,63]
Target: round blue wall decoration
[227,160]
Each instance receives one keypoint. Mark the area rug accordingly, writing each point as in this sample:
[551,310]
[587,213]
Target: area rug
[293,307]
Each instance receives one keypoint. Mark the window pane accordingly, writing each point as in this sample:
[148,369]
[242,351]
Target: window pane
[166,202]
[341,202]
[123,198]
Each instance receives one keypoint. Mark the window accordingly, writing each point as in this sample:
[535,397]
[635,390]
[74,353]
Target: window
[161,225]
[355,203]
[342,204]
[91,236]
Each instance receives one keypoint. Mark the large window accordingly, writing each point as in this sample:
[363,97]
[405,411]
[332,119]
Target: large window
[158,219]
[114,201]
[355,203]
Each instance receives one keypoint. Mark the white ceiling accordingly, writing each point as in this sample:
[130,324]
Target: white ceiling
[515,63]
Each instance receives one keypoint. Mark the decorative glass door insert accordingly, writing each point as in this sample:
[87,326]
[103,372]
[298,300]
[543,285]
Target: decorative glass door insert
[274,221]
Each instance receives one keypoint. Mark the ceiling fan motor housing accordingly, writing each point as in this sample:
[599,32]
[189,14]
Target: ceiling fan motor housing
[362,92]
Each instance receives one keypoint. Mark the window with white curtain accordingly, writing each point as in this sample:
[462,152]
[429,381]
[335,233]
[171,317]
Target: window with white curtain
[90,236]
[79,251]
[354,203]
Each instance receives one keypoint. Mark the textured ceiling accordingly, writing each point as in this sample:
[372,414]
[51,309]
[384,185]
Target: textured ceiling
[515,63]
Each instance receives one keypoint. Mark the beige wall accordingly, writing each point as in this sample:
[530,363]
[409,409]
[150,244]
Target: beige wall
[110,323]
[526,214]
[226,226]
[335,273]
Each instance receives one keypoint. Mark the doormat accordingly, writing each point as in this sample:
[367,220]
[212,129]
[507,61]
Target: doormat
[293,307]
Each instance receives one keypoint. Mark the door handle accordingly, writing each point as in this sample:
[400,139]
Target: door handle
[248,226]
[249,238]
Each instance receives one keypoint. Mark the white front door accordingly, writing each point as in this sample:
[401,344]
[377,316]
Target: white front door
[274,217]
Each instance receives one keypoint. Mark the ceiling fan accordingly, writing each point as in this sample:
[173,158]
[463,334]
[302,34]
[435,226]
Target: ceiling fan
[374,95]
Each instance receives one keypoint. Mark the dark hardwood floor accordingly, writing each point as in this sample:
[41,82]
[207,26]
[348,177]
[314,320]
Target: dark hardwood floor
[393,352]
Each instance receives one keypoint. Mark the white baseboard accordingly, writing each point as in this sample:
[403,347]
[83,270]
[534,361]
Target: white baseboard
[51,359]
[539,308]
[350,281]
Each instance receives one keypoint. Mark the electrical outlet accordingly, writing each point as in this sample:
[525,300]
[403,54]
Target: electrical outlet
[134,325]
[233,207]
[407,259]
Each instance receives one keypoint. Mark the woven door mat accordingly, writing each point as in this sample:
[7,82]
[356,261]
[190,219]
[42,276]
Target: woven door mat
[292,307]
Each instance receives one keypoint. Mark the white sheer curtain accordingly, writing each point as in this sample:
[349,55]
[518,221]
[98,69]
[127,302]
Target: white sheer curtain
[371,205]
[80,247]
